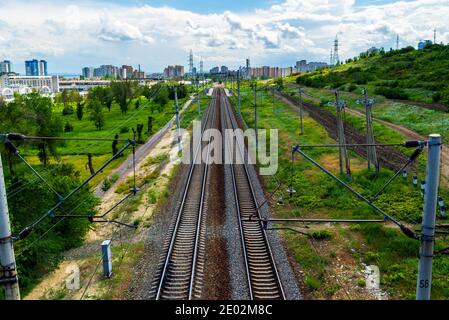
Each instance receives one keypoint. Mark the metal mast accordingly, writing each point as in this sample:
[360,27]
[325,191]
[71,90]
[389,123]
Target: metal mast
[371,153]
[191,63]
[335,57]
[342,149]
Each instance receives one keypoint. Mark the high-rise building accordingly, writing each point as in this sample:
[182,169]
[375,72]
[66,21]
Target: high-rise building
[88,72]
[36,68]
[106,71]
[5,67]
[32,67]
[43,68]
[224,69]
[174,72]
[215,70]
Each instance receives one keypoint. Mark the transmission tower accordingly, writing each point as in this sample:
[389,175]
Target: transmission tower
[434,36]
[336,59]
[397,42]
[331,58]
[191,63]
[371,153]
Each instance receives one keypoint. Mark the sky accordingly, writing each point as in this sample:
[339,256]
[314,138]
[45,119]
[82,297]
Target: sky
[155,33]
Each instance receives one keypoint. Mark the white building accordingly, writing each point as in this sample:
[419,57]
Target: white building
[81,85]
[26,84]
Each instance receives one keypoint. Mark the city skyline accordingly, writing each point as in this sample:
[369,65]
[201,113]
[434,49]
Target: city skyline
[71,35]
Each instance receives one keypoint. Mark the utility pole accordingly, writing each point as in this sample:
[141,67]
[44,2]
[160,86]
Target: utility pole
[177,120]
[8,273]
[300,110]
[342,150]
[198,95]
[424,282]
[371,153]
[238,90]
[397,42]
[255,114]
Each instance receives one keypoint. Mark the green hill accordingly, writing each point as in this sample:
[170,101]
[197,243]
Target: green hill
[406,74]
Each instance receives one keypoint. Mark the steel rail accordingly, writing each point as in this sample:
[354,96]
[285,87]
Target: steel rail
[181,209]
[254,199]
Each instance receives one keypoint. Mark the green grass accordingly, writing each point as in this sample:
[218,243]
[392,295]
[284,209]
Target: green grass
[318,196]
[419,119]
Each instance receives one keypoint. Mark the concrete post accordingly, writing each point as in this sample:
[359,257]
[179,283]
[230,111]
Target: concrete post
[8,271]
[423,286]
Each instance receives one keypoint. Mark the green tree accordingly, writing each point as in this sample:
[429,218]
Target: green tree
[114,145]
[139,133]
[79,110]
[96,113]
[108,98]
[162,98]
[150,124]
[122,90]
[279,83]
[44,123]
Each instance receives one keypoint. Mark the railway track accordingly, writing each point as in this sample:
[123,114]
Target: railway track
[182,268]
[262,274]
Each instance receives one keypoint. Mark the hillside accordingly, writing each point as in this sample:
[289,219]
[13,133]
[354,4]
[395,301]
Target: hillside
[406,74]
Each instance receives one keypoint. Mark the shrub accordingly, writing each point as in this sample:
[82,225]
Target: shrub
[68,110]
[68,127]
[391,93]
[352,87]
[108,182]
[124,130]
[313,283]
[321,235]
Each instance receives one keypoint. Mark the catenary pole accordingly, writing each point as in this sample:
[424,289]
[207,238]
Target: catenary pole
[255,115]
[424,282]
[238,90]
[300,110]
[8,272]
[198,95]
[177,119]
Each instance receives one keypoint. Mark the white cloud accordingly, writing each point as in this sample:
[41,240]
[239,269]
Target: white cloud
[89,31]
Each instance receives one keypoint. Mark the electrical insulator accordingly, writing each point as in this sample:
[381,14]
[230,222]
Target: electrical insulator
[423,188]
[404,174]
[415,181]
[441,207]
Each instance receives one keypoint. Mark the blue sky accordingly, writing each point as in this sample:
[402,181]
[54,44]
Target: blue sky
[72,34]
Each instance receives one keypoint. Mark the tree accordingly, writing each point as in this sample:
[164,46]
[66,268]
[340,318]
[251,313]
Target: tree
[139,133]
[162,97]
[279,84]
[79,110]
[96,113]
[137,104]
[121,91]
[108,98]
[45,123]
[114,145]
[150,125]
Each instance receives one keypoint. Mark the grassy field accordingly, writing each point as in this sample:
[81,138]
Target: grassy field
[75,152]
[318,196]
[419,119]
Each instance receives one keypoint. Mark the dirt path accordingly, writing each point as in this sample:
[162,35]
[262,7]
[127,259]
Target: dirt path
[410,135]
